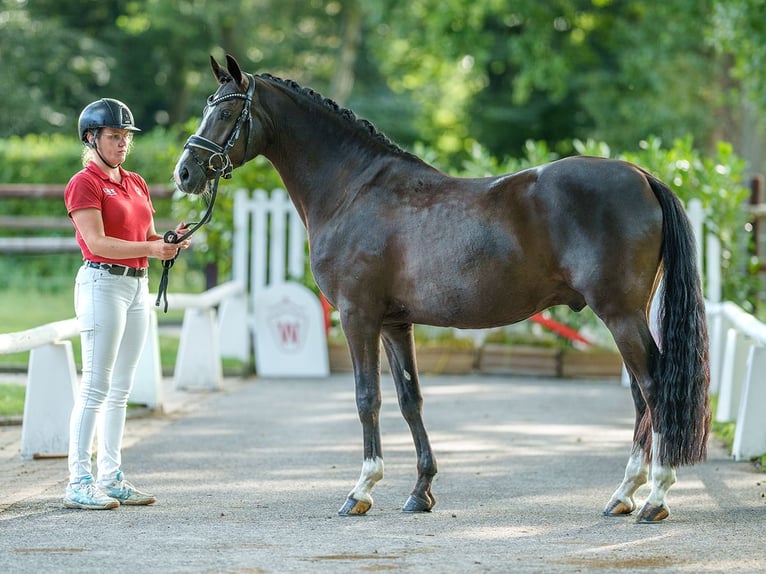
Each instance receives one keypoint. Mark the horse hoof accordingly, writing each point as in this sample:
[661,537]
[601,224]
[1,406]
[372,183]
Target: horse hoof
[353,507]
[618,507]
[418,504]
[653,513]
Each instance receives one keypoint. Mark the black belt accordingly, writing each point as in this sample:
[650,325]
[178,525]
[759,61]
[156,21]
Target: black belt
[118,269]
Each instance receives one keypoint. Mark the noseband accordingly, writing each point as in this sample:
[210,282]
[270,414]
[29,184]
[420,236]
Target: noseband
[219,162]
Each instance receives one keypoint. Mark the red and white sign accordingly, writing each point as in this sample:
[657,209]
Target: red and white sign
[289,333]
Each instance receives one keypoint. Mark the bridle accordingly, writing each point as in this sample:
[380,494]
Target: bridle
[220,154]
[219,163]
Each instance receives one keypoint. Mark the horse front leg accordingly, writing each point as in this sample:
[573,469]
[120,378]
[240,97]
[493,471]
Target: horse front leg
[400,348]
[365,356]
[638,467]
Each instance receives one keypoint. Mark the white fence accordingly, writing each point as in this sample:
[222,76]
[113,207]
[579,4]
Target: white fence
[213,327]
[270,248]
[737,352]
[286,319]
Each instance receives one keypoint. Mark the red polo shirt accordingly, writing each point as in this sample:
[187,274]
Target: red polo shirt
[126,208]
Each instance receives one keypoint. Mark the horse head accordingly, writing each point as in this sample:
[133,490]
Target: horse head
[228,135]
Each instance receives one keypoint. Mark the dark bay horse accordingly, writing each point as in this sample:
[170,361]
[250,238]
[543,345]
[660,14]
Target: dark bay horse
[395,242]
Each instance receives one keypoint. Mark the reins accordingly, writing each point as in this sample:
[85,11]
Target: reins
[219,155]
[173,237]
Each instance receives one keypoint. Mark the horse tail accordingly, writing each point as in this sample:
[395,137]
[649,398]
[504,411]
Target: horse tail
[682,373]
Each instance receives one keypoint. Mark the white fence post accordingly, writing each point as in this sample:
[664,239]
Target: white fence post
[732,376]
[147,387]
[51,387]
[750,433]
[714,288]
[198,364]
[715,320]
[241,239]
[234,329]
[696,215]
[269,229]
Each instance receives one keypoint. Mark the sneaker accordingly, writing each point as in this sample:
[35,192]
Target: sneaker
[88,496]
[125,493]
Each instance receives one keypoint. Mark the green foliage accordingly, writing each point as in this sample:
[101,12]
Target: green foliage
[718,181]
[441,72]
[39,158]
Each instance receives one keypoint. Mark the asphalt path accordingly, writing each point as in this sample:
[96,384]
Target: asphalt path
[249,480]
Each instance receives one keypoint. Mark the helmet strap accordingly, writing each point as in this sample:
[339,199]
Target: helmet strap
[95,147]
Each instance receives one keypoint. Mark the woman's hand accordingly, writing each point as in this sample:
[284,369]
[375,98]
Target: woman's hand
[164,251]
[180,231]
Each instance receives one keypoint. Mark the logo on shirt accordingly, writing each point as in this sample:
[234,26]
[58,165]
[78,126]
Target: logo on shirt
[109,191]
[137,190]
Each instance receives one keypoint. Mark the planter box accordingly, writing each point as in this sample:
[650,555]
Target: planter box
[494,358]
[340,358]
[445,360]
[590,364]
[431,360]
[522,360]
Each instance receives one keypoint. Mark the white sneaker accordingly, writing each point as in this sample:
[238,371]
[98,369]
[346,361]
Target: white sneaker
[123,491]
[88,496]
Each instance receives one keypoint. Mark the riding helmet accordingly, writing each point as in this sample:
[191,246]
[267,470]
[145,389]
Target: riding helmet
[105,113]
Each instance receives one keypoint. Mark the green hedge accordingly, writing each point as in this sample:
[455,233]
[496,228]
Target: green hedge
[718,180]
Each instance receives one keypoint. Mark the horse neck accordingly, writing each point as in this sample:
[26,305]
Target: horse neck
[321,156]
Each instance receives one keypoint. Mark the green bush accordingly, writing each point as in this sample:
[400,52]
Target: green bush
[54,159]
[717,181]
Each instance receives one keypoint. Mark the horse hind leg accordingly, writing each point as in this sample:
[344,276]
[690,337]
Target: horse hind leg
[663,477]
[622,501]
[399,345]
[639,351]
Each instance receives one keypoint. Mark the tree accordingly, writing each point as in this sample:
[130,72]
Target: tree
[443,72]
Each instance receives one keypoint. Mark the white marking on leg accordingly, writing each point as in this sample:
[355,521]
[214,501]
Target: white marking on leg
[636,474]
[663,477]
[372,472]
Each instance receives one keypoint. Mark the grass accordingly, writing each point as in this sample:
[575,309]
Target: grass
[40,307]
[11,399]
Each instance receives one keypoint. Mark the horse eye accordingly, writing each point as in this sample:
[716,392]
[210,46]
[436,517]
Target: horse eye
[224,115]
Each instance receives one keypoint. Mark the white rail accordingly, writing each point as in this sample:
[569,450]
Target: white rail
[23,341]
[215,325]
[738,375]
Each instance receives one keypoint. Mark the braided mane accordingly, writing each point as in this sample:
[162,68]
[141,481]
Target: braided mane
[344,113]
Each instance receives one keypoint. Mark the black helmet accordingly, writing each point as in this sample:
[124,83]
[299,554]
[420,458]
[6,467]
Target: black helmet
[105,113]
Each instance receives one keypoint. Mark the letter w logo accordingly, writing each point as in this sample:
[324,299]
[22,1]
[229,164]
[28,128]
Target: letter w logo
[289,333]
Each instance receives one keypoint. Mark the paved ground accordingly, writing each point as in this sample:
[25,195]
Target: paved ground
[249,479]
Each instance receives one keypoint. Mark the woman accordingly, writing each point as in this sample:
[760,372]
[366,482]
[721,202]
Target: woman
[113,218]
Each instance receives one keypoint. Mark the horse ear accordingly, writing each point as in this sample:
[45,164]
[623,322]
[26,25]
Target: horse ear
[218,72]
[234,70]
